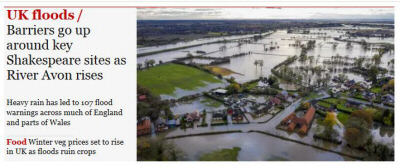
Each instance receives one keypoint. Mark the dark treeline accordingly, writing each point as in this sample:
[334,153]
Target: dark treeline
[157,32]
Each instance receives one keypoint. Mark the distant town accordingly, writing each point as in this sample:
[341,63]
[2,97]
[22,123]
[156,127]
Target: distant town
[265,90]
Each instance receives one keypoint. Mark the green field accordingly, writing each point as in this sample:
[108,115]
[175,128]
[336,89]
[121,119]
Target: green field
[343,117]
[222,155]
[333,101]
[312,95]
[164,79]
[324,104]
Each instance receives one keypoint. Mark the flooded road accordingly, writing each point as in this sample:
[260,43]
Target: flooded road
[254,147]
[257,146]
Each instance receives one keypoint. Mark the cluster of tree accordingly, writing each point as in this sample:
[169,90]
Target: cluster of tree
[157,150]
[340,60]
[348,45]
[379,151]
[288,74]
[378,24]
[357,135]
[264,91]
[304,48]
[389,86]
[329,133]
[371,72]
[147,64]
[288,61]
[234,87]
[386,47]
[152,106]
[364,44]
[372,33]
[358,128]
[273,81]
[385,116]
[310,45]
[158,32]
[363,139]
[359,62]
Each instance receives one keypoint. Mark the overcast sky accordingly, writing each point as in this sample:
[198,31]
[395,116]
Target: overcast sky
[264,13]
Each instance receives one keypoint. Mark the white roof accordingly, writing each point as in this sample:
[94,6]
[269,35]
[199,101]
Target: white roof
[262,84]
[223,91]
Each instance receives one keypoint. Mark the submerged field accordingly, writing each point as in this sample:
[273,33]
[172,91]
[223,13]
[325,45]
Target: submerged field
[165,79]
[333,53]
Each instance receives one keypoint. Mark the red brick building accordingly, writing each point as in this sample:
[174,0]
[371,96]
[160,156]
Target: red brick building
[144,127]
[301,124]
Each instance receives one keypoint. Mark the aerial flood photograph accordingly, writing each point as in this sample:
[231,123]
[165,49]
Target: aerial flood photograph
[265,84]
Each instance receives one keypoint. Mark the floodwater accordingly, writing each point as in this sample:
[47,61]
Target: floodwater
[190,43]
[281,42]
[383,134]
[248,71]
[198,61]
[171,55]
[198,104]
[257,146]
[254,147]
[268,147]
[178,93]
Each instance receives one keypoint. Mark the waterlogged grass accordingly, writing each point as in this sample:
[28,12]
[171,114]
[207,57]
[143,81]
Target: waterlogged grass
[210,102]
[222,155]
[164,79]
[220,70]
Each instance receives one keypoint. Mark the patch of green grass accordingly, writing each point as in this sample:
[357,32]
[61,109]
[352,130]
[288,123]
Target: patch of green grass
[376,90]
[324,104]
[343,117]
[333,101]
[210,102]
[252,85]
[222,155]
[360,97]
[342,107]
[377,114]
[388,120]
[312,95]
[344,94]
[164,79]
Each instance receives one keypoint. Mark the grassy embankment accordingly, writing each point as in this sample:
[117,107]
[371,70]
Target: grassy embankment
[164,79]
[222,155]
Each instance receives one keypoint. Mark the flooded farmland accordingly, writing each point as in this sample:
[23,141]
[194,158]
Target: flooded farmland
[274,48]
[253,58]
